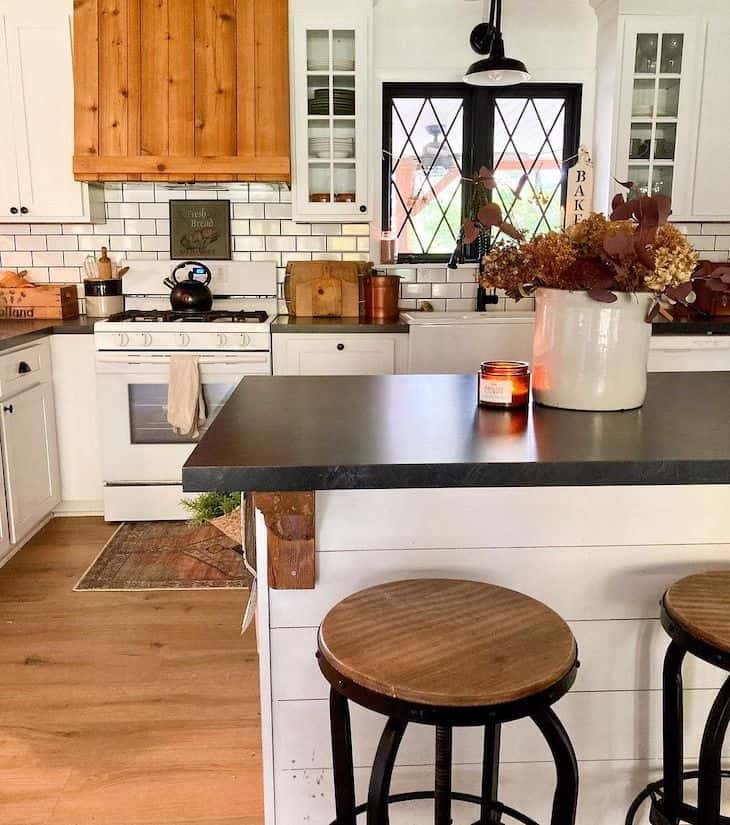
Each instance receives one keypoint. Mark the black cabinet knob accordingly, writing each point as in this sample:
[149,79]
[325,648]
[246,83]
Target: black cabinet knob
[340,347]
[8,408]
[13,210]
[363,208]
[24,210]
[23,367]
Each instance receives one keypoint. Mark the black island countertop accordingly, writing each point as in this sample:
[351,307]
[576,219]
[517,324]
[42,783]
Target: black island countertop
[378,432]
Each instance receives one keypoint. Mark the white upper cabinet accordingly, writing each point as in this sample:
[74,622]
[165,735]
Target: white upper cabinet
[330,87]
[711,184]
[657,114]
[666,84]
[37,130]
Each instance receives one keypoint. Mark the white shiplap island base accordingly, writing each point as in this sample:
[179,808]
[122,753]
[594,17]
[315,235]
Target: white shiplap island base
[360,480]
[600,556]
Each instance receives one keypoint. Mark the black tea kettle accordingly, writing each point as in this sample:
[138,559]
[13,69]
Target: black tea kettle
[190,294]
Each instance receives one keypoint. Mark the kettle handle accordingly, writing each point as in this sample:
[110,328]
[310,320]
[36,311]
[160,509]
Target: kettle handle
[169,282]
[191,277]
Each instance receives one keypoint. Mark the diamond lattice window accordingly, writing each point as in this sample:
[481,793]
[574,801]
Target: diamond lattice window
[438,135]
[425,172]
[528,155]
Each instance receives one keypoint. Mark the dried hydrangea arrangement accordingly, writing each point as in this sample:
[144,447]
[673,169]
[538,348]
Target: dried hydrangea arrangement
[635,251]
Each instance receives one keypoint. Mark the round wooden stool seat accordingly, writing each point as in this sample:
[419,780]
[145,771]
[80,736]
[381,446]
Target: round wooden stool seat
[447,643]
[700,605]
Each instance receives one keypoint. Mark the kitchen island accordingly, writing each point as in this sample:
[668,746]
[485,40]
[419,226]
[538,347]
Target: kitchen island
[360,480]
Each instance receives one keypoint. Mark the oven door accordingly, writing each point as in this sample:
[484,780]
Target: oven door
[138,446]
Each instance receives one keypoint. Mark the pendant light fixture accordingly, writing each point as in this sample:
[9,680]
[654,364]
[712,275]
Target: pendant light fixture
[494,69]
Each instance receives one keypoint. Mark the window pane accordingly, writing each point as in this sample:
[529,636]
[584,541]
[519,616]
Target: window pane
[425,169]
[528,162]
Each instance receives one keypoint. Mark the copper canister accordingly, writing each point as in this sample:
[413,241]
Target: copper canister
[381,297]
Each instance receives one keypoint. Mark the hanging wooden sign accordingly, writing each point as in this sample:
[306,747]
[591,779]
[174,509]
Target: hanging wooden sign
[579,203]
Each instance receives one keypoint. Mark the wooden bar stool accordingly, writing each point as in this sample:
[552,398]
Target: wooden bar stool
[695,612]
[448,654]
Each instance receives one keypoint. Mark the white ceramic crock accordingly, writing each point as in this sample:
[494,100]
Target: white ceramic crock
[589,355]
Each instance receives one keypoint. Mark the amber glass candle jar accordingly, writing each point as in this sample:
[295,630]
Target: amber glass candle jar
[504,384]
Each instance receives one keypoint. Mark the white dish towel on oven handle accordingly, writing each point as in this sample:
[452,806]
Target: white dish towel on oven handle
[185,404]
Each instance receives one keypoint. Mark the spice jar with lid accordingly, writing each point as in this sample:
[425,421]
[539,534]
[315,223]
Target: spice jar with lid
[504,384]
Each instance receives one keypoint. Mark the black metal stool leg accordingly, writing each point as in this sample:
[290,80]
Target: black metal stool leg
[490,774]
[710,779]
[673,738]
[342,759]
[442,796]
[565,800]
[383,771]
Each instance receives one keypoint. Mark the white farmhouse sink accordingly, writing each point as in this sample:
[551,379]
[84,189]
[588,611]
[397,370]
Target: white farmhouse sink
[466,317]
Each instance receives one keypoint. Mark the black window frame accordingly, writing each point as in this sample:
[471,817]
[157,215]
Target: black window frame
[478,145]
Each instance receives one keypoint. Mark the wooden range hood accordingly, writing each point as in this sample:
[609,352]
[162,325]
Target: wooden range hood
[181,90]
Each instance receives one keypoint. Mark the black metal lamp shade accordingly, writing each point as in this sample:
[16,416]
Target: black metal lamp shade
[494,69]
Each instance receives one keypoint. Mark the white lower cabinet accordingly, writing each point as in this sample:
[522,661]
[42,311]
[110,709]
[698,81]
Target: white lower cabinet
[28,440]
[304,353]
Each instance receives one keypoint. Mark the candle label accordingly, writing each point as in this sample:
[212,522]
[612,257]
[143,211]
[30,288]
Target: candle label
[494,391]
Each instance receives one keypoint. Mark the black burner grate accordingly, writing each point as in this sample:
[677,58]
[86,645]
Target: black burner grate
[170,316]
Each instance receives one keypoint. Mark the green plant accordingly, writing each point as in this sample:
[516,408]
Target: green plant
[207,506]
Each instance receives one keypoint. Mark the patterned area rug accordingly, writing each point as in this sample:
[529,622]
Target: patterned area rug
[166,555]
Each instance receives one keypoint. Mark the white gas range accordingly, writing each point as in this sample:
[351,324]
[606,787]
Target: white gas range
[142,457]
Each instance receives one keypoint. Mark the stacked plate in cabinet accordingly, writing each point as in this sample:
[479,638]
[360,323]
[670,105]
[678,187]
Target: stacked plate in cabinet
[344,100]
[341,65]
[342,148]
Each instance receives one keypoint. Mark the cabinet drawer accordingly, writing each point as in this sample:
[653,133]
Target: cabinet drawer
[347,354]
[24,367]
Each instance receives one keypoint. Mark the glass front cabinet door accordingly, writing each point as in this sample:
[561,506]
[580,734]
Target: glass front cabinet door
[329,79]
[657,116]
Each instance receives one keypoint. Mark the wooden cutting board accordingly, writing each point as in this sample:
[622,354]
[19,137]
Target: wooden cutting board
[323,288]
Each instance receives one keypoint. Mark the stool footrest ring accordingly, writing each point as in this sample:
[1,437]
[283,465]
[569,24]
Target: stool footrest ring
[655,792]
[456,796]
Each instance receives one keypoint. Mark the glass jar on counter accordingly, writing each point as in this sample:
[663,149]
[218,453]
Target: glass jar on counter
[504,384]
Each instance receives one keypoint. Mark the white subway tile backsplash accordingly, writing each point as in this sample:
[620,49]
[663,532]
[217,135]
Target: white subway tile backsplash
[438,304]
[355,256]
[74,258]
[248,243]
[702,242]
[125,243]
[278,210]
[415,290]
[291,228]
[37,274]
[7,242]
[431,276]
[14,229]
[155,243]
[326,229]
[469,290]
[265,227]
[78,228]
[407,303]
[286,257]
[137,227]
[363,245]
[47,258]
[45,229]
[337,243]
[281,243]
[717,257]
[462,275]
[716,228]
[461,305]
[29,242]
[722,243]
[16,259]
[202,194]
[267,256]
[63,242]
[240,226]
[108,228]
[151,210]
[162,227]
[355,228]
[248,210]
[138,192]
[116,211]
[92,242]
[64,274]
[446,290]
[312,244]
[263,193]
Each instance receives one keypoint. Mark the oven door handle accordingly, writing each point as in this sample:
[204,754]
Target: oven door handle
[164,360]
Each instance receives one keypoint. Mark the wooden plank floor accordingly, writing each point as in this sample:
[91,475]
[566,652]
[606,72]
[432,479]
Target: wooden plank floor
[122,708]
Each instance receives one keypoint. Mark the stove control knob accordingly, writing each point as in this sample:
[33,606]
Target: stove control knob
[222,340]
[245,339]
[123,339]
[184,339]
[146,340]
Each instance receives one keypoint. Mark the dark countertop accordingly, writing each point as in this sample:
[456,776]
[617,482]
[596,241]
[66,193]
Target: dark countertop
[376,432]
[288,323]
[696,326]
[15,333]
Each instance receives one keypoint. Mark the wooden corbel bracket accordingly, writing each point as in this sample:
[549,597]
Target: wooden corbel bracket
[289,521]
